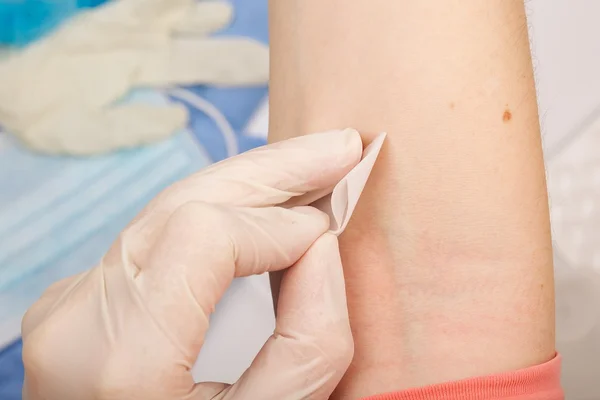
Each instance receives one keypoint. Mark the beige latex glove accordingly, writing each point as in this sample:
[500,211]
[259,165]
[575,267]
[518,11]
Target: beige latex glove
[62,95]
[132,327]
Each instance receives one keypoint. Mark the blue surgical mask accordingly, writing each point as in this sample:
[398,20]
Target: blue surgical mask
[59,215]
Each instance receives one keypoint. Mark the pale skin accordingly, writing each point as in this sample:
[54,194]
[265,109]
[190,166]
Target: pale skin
[448,259]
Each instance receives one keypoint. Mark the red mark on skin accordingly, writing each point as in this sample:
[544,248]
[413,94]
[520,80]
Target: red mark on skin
[506,116]
[452,105]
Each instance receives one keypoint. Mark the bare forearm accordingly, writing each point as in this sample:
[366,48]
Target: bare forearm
[448,259]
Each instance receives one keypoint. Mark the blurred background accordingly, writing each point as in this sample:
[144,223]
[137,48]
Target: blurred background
[151,120]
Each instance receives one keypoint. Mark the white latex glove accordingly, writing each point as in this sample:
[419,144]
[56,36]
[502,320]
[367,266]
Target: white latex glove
[132,327]
[59,95]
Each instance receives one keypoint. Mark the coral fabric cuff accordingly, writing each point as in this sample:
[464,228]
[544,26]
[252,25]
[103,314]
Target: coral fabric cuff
[541,382]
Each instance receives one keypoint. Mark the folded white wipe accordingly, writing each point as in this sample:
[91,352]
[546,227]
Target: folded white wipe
[237,331]
[340,203]
[61,94]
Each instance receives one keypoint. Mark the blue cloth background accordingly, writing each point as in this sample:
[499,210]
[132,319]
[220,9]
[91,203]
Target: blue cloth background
[237,105]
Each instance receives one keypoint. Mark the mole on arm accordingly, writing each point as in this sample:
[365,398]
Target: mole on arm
[507,115]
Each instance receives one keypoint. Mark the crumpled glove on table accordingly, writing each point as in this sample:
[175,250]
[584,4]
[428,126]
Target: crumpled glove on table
[60,95]
[132,327]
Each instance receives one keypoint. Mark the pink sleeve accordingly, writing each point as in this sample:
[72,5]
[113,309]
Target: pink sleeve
[541,382]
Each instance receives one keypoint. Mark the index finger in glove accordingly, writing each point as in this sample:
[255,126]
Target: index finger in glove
[269,175]
[272,174]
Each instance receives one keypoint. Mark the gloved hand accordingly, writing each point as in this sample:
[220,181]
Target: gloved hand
[132,327]
[61,94]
